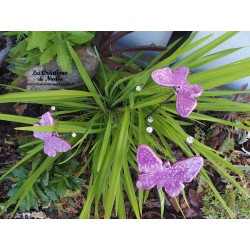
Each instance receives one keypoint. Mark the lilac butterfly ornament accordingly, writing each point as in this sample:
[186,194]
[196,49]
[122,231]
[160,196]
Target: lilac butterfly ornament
[52,143]
[186,93]
[154,172]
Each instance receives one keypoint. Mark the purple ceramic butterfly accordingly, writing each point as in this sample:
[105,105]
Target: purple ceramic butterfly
[52,143]
[186,93]
[171,177]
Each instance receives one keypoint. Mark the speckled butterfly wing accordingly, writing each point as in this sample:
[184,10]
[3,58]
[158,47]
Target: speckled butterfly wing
[55,144]
[180,75]
[46,120]
[52,143]
[149,165]
[186,93]
[185,101]
[163,77]
[154,172]
[181,171]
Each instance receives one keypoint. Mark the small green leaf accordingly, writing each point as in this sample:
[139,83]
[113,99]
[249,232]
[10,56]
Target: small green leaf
[43,196]
[36,161]
[21,173]
[38,39]
[52,195]
[45,178]
[71,202]
[63,58]
[61,188]
[80,37]
[48,55]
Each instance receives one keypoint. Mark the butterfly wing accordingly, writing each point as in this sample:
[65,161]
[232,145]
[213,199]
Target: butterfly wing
[185,101]
[55,144]
[147,181]
[163,77]
[182,171]
[41,135]
[180,75]
[46,120]
[148,161]
[195,89]
[150,167]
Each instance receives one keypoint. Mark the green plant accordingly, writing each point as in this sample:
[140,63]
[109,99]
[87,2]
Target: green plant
[40,47]
[56,183]
[238,203]
[109,119]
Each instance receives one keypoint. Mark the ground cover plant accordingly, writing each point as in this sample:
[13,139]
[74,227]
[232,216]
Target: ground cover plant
[108,119]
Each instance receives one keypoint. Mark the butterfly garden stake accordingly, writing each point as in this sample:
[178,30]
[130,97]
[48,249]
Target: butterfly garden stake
[186,93]
[154,172]
[52,142]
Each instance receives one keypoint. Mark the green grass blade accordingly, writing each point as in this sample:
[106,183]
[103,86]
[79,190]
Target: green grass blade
[99,183]
[140,199]
[162,200]
[120,204]
[129,187]
[205,49]
[180,51]
[33,152]
[16,118]
[210,58]
[216,193]
[117,164]
[60,129]
[223,71]
[51,95]
[85,76]
[105,143]
[224,92]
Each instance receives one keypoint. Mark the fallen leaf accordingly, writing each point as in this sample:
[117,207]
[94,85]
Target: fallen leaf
[183,204]
[193,197]
[172,200]
[20,109]
[190,213]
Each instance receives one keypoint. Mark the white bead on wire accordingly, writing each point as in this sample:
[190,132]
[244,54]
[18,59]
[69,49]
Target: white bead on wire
[190,139]
[138,88]
[150,119]
[149,130]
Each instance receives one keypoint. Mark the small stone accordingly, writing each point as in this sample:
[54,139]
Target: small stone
[50,76]
[149,130]
[138,88]
[73,134]
[190,139]
[150,119]
[5,46]
[53,108]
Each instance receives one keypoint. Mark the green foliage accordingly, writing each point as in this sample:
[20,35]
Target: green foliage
[238,203]
[40,47]
[57,182]
[110,121]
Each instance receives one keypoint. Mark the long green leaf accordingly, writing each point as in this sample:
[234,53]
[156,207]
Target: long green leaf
[202,51]
[117,164]
[216,193]
[105,143]
[130,188]
[85,76]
